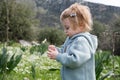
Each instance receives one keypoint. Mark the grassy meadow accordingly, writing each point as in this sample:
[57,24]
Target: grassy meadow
[19,62]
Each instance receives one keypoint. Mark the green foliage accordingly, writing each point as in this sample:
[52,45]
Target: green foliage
[104,35]
[107,66]
[35,66]
[23,48]
[3,60]
[8,62]
[16,20]
[116,25]
[39,48]
[116,66]
[116,39]
[53,35]
[101,59]
[98,28]
[12,63]
[33,72]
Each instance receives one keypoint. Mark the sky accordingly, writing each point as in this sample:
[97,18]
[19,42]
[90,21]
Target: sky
[106,2]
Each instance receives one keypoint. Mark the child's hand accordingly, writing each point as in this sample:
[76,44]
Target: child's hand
[52,52]
[52,47]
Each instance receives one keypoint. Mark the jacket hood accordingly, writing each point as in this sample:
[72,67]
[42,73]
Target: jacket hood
[92,39]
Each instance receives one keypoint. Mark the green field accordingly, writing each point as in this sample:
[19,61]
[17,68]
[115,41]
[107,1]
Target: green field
[34,66]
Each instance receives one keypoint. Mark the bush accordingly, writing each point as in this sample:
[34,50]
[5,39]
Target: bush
[53,35]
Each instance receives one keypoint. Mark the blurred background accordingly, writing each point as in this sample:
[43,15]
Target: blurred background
[27,27]
[35,20]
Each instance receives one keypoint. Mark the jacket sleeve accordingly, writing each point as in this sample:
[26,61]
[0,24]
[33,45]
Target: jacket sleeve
[78,54]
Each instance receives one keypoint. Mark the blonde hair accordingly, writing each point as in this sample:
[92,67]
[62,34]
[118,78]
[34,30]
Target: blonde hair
[78,15]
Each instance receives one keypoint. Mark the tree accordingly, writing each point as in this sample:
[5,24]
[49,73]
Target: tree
[104,39]
[98,28]
[16,20]
[116,37]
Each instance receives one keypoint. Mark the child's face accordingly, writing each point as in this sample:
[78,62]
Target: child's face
[68,28]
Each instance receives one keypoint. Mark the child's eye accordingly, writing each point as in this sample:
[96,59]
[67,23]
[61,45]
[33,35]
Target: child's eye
[66,27]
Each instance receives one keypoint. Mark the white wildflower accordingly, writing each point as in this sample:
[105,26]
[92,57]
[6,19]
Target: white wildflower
[44,40]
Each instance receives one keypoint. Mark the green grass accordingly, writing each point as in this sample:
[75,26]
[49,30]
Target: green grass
[40,67]
[40,75]
[45,69]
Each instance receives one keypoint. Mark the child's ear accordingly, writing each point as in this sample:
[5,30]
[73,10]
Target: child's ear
[82,26]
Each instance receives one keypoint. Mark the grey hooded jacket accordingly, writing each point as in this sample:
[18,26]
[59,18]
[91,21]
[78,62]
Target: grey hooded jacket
[77,57]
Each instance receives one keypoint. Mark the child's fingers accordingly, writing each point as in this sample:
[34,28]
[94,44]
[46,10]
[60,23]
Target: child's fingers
[50,50]
[50,55]
[51,47]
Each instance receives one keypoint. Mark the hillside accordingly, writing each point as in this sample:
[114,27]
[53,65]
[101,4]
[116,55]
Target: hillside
[49,11]
[103,13]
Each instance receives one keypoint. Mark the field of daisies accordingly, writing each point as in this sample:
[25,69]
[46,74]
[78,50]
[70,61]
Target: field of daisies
[19,62]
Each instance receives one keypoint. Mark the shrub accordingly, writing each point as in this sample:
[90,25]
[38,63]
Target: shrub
[53,35]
